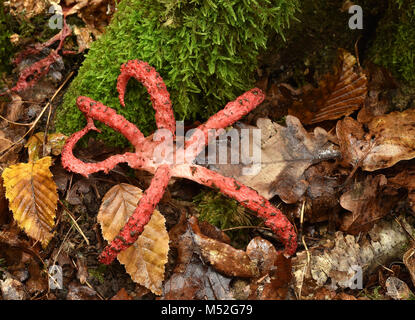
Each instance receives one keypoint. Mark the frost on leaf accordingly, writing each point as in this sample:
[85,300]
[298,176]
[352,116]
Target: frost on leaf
[338,94]
[32,197]
[146,258]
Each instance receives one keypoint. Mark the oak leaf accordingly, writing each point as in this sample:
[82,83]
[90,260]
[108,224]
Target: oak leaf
[33,197]
[146,258]
[338,94]
[286,152]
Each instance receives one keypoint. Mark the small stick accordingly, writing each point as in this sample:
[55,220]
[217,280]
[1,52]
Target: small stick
[69,213]
[6,150]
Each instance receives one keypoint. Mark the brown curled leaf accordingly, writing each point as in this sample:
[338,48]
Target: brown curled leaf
[338,94]
[368,200]
[223,257]
[391,138]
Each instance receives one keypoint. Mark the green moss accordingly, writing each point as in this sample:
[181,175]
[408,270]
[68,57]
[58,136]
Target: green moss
[206,52]
[394,45]
[225,213]
[313,41]
[6,48]
[98,273]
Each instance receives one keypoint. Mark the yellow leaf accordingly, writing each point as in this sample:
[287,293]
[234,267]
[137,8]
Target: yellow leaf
[145,260]
[54,145]
[32,197]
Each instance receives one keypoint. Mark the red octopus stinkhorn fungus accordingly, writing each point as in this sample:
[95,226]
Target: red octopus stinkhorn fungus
[143,158]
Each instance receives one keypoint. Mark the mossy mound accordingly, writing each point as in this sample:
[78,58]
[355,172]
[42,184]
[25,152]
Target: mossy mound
[394,45]
[225,213]
[6,48]
[206,52]
[314,38]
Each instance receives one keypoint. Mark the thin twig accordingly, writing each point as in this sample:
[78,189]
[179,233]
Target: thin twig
[69,213]
[247,227]
[6,150]
[16,123]
[302,218]
[305,267]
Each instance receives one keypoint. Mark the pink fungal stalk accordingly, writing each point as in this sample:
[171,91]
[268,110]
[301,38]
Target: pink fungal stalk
[142,158]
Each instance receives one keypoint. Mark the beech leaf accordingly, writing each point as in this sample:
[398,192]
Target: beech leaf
[338,94]
[33,197]
[145,260]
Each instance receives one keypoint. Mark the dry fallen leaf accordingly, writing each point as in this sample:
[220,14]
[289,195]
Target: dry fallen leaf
[275,271]
[409,261]
[9,151]
[95,13]
[122,294]
[322,196]
[146,258]
[192,277]
[12,289]
[14,110]
[338,94]
[406,179]
[198,281]
[38,281]
[391,138]
[29,8]
[203,263]
[397,289]
[54,145]
[83,38]
[80,292]
[338,262]
[221,256]
[394,136]
[286,152]
[32,197]
[368,200]
[380,81]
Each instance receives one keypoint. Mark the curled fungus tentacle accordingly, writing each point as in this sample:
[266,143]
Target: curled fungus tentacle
[142,157]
